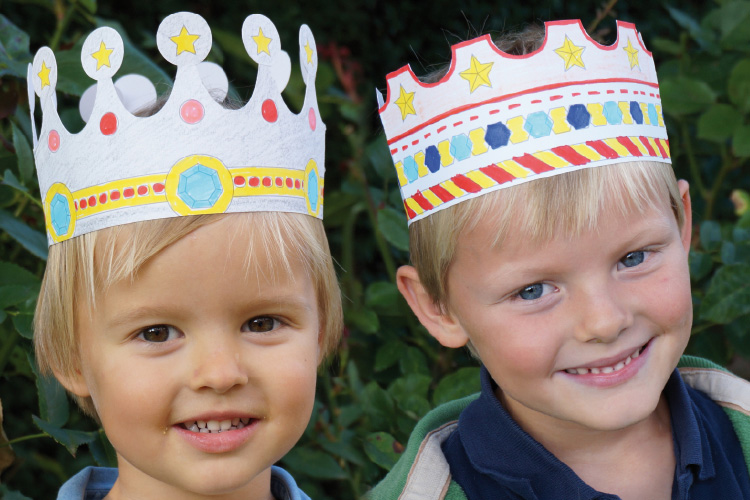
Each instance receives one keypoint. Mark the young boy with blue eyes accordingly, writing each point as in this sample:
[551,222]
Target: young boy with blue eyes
[189,295]
[549,235]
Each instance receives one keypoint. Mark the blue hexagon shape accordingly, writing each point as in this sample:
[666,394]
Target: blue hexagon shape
[59,212]
[636,112]
[460,147]
[538,124]
[579,116]
[653,116]
[411,170]
[199,187]
[497,135]
[432,158]
[312,190]
[612,113]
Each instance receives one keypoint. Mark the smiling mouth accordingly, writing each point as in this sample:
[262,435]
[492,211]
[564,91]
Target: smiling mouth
[608,369]
[217,426]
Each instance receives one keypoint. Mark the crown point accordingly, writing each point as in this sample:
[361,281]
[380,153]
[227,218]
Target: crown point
[261,39]
[44,72]
[101,54]
[191,112]
[308,56]
[184,38]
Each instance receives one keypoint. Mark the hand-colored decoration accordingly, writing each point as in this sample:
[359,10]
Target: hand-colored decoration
[522,117]
[185,41]
[405,103]
[632,54]
[102,56]
[571,54]
[478,74]
[192,157]
[44,75]
[262,41]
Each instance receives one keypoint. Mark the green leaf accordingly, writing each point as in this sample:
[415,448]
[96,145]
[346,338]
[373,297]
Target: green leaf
[727,252]
[413,360]
[23,323]
[710,234]
[314,463]
[383,449]
[410,393]
[12,274]
[734,23]
[700,265]
[14,294]
[741,141]
[718,123]
[392,225]
[683,95]
[377,405]
[7,494]
[738,85]
[388,354]
[344,447]
[462,382]
[364,320]
[71,439]
[9,179]
[666,46]
[378,154]
[14,49]
[53,401]
[32,240]
[102,451]
[89,5]
[23,153]
[728,294]
[384,298]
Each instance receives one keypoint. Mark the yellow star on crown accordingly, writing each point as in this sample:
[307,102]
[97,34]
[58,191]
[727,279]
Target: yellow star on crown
[309,52]
[185,41]
[405,103]
[632,55]
[478,74]
[102,56]
[44,75]
[571,54]
[262,41]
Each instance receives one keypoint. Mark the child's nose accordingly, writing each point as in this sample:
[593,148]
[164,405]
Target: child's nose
[604,315]
[218,367]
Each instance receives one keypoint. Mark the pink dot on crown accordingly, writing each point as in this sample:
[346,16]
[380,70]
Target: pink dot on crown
[108,124]
[312,119]
[269,111]
[191,111]
[53,141]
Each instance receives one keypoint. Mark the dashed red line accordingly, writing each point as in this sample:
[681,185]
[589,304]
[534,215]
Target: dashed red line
[472,118]
[458,123]
[513,106]
[441,129]
[555,97]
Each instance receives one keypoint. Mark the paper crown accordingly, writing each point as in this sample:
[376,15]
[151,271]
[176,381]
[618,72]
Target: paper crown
[193,156]
[496,120]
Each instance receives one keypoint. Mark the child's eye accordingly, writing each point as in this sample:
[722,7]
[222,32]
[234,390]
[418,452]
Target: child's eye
[633,259]
[534,291]
[262,324]
[158,333]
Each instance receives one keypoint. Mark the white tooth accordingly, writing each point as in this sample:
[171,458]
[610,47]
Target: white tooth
[205,431]
[619,366]
[636,354]
[213,425]
[225,425]
[582,371]
[235,421]
[194,428]
[607,369]
[595,371]
[202,424]
[628,360]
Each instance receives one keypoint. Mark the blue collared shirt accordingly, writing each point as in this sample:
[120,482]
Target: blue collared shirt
[491,457]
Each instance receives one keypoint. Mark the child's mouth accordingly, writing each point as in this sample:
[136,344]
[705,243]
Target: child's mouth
[217,426]
[608,369]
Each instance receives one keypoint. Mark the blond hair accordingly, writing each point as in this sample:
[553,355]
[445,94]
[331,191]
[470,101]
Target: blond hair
[568,203]
[74,276]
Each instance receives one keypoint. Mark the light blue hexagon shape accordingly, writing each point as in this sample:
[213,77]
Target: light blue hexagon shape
[410,169]
[612,113]
[460,147]
[199,187]
[653,116]
[312,190]
[59,211]
[538,124]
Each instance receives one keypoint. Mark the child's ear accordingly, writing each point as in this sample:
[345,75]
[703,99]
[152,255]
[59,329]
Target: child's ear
[441,324]
[74,382]
[686,230]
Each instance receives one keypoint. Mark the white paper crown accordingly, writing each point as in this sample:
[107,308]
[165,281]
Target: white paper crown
[193,156]
[496,120]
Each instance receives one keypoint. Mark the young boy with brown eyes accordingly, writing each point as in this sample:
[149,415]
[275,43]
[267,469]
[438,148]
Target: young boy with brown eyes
[189,295]
[549,235]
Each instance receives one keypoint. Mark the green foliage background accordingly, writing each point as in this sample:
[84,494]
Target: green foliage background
[389,372]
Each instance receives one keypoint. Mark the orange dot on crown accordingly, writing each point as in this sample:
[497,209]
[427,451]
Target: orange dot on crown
[53,141]
[191,111]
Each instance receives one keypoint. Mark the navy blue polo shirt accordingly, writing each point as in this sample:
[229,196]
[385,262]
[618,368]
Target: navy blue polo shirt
[491,457]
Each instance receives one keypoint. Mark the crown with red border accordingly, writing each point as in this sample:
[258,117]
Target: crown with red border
[193,156]
[496,120]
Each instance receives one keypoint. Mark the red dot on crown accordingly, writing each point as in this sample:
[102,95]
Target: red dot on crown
[191,111]
[108,124]
[53,141]
[269,111]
